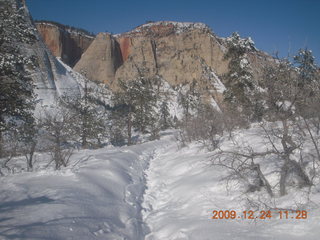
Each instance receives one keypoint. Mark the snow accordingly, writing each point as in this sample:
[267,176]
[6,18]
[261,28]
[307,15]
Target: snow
[100,91]
[154,191]
[244,63]
[244,43]
[66,82]
[180,27]
[183,190]
[215,105]
[218,85]
[98,197]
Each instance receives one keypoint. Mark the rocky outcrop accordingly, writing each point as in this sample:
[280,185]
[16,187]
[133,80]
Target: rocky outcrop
[101,60]
[174,51]
[179,53]
[64,42]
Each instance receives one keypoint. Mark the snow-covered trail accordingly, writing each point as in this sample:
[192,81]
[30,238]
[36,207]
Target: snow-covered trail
[183,190]
[180,197]
[150,191]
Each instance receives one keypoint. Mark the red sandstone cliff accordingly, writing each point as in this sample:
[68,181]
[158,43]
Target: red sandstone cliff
[179,53]
[64,42]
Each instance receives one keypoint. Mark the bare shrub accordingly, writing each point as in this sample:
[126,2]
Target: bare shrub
[59,129]
[205,126]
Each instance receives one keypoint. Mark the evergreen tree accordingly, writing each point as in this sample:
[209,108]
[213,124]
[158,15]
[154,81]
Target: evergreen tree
[306,67]
[137,100]
[144,103]
[308,83]
[16,90]
[238,80]
[281,91]
[189,99]
[165,120]
[88,114]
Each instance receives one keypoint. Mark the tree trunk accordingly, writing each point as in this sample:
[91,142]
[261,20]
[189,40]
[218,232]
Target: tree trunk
[30,159]
[84,142]
[286,157]
[264,180]
[1,145]
[84,129]
[129,126]
[301,173]
[283,178]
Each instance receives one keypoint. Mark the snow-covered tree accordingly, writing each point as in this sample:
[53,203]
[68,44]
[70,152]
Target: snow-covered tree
[239,79]
[137,100]
[307,68]
[16,91]
[189,99]
[88,114]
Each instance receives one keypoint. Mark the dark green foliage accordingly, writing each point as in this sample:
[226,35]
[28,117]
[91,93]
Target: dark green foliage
[308,82]
[188,99]
[239,79]
[136,102]
[16,87]
[280,89]
[88,115]
[165,118]
[306,65]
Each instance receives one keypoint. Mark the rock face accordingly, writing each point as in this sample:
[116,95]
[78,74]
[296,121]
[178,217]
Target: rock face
[64,42]
[101,60]
[179,53]
[173,51]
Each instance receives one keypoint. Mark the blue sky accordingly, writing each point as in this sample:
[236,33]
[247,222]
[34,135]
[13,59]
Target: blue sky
[274,25]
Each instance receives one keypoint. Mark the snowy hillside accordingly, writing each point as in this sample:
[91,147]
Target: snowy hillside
[154,190]
[67,83]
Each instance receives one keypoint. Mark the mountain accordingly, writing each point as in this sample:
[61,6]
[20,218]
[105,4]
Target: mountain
[176,51]
[179,53]
[183,55]
[65,42]
[171,50]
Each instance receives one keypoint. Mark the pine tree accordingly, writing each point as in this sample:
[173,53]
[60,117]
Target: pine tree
[306,67]
[308,83]
[165,120]
[144,103]
[88,114]
[136,100]
[188,99]
[16,90]
[238,80]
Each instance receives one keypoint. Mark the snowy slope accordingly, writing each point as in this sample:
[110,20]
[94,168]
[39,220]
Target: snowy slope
[151,191]
[68,82]
[98,197]
[183,190]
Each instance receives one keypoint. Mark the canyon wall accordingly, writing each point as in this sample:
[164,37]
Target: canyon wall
[64,42]
[179,53]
